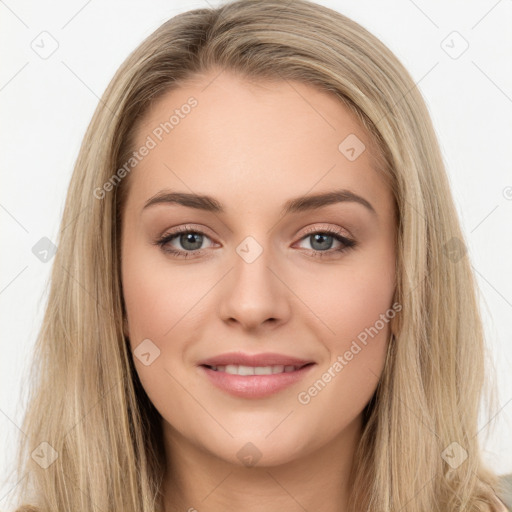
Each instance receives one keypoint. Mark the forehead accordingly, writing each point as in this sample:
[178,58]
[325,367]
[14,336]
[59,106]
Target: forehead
[233,138]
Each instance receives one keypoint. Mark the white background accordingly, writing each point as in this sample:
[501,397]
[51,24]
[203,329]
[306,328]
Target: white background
[46,105]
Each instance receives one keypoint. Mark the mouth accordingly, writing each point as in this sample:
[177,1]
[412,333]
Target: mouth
[235,369]
[251,382]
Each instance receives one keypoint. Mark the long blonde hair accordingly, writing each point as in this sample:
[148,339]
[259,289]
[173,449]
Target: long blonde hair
[86,401]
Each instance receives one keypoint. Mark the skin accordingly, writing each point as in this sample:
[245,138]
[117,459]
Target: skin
[253,146]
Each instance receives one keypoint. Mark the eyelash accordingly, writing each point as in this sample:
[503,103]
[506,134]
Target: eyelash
[168,237]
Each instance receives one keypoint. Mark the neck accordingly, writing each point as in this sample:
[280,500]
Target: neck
[196,480]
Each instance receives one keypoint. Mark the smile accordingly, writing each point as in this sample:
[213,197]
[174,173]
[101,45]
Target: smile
[234,369]
[254,381]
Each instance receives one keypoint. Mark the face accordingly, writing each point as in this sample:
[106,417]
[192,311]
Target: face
[252,270]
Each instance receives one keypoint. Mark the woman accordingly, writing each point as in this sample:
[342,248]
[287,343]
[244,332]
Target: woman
[248,370]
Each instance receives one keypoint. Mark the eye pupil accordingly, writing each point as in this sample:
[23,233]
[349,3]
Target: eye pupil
[191,238]
[319,237]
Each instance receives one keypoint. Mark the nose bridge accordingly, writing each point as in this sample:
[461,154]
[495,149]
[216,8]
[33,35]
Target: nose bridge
[253,292]
[253,263]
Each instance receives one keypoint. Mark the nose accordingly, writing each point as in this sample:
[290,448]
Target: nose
[254,293]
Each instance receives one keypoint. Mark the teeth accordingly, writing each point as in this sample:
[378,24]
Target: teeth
[235,369]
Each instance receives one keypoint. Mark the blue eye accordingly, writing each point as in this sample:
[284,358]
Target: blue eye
[191,240]
[321,242]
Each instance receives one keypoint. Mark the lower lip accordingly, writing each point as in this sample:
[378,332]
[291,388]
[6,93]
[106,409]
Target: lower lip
[254,386]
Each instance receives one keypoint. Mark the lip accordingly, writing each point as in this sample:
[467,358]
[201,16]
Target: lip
[254,386]
[263,359]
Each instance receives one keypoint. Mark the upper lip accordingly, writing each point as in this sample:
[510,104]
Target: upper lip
[263,359]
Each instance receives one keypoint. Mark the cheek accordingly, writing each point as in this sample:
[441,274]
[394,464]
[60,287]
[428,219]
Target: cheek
[157,294]
[151,300]
[356,311]
[157,302]
[353,297]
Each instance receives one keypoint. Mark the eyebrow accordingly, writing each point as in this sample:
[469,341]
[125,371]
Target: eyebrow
[294,205]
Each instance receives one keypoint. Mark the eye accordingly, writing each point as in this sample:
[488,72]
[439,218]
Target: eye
[191,240]
[321,242]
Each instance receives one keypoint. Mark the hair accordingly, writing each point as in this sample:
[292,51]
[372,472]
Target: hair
[86,400]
